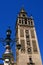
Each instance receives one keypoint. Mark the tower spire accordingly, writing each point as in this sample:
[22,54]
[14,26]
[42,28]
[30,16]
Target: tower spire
[8,55]
[29,53]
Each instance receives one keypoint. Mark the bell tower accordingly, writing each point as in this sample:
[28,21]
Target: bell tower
[27,44]
[8,55]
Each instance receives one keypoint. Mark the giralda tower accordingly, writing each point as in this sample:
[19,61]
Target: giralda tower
[28,52]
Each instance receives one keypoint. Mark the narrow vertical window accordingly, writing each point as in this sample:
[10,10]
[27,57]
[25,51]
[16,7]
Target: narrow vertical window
[30,60]
[32,34]
[25,21]
[28,43]
[22,46]
[31,23]
[27,34]
[20,21]
[21,32]
[34,46]
[29,47]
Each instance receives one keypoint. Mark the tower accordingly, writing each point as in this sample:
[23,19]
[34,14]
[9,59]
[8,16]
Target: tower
[8,55]
[27,44]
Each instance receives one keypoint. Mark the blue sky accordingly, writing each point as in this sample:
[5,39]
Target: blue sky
[8,14]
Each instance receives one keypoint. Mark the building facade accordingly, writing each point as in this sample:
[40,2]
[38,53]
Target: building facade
[28,53]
